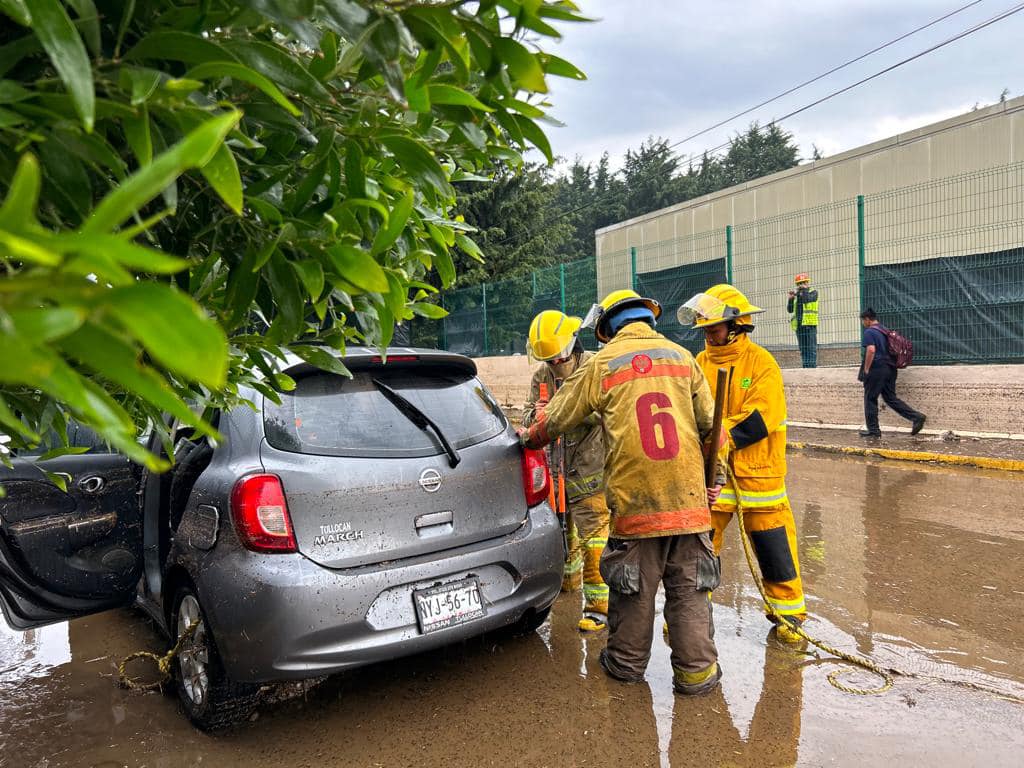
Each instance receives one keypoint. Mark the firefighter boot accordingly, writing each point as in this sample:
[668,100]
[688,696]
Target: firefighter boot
[696,683]
[786,630]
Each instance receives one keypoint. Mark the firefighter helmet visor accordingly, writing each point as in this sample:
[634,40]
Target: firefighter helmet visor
[704,309]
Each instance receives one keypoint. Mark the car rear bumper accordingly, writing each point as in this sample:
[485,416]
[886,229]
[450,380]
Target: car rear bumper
[283,617]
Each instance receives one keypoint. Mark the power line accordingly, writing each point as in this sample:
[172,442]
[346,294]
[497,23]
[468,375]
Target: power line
[823,75]
[969,31]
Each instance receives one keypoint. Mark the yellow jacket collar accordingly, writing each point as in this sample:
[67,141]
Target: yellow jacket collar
[730,352]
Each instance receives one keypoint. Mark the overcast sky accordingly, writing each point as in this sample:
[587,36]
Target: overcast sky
[670,68]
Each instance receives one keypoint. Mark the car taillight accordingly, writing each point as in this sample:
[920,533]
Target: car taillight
[395,359]
[261,514]
[536,480]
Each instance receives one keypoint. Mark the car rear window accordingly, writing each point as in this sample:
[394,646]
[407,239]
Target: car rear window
[331,415]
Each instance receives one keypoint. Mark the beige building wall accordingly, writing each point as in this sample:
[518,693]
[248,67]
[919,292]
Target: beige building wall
[951,188]
[988,401]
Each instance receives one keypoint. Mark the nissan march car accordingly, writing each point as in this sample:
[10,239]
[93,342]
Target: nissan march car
[358,520]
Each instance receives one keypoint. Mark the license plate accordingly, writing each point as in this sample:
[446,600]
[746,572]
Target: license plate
[448,605]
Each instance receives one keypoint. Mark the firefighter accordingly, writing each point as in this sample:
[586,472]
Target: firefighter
[655,409]
[554,341]
[803,306]
[755,420]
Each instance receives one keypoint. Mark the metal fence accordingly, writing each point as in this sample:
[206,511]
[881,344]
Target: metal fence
[494,318]
[941,261]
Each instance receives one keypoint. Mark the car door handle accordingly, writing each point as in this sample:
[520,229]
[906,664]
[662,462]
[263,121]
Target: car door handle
[92,484]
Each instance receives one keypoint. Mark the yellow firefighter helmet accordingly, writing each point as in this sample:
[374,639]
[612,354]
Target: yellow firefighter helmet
[552,335]
[615,302]
[718,304]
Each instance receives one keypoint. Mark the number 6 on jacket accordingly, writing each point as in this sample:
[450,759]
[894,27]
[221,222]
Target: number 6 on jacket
[647,419]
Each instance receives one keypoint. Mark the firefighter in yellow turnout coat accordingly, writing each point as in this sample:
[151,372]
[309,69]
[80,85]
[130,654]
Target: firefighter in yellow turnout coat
[655,408]
[755,420]
[554,341]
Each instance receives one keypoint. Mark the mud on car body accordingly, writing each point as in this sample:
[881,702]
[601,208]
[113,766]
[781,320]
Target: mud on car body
[359,520]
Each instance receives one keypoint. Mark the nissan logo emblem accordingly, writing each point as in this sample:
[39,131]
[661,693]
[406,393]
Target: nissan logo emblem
[430,480]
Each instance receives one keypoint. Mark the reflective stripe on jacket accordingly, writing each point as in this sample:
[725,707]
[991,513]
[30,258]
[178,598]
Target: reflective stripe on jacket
[804,308]
[654,405]
[755,406]
[584,445]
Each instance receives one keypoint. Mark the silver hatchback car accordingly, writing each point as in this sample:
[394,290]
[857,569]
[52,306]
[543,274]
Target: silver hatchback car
[359,520]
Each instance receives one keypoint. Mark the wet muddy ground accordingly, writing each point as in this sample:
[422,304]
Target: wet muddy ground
[919,567]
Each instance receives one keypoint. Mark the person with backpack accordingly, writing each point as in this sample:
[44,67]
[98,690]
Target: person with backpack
[878,374]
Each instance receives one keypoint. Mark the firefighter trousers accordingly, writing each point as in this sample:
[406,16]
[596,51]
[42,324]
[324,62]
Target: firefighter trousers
[572,569]
[634,569]
[771,530]
[590,518]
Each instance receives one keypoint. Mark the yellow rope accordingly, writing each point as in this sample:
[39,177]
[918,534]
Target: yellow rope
[582,543]
[163,663]
[885,673]
[887,680]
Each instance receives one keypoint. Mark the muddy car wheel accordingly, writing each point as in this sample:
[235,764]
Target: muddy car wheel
[211,700]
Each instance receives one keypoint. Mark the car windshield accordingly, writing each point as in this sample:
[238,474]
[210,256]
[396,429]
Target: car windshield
[331,415]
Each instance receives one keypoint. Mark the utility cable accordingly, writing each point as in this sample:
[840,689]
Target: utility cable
[823,75]
[969,31]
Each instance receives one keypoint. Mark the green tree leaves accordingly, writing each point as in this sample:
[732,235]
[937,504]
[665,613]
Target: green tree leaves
[192,345]
[62,42]
[195,150]
[193,190]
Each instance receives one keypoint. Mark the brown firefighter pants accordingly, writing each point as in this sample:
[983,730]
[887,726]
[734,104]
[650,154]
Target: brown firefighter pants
[633,569]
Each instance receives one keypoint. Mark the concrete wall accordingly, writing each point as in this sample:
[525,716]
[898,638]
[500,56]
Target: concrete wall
[964,398]
[951,188]
[975,398]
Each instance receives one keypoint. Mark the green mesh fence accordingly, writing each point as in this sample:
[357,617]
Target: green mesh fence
[494,318]
[944,264]
[768,253]
[941,261]
[671,271]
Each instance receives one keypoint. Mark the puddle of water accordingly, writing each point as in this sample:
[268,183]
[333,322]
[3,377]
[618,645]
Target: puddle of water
[925,581]
[33,653]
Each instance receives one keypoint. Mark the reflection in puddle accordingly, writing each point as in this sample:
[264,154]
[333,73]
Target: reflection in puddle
[33,653]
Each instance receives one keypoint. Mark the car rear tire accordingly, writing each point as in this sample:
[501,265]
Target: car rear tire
[210,698]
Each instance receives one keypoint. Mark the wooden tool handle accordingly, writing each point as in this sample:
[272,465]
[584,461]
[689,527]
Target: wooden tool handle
[716,427]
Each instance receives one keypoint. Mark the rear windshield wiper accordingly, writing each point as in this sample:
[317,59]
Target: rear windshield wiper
[419,418]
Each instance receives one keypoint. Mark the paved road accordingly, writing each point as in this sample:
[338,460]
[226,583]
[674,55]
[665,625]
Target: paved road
[920,567]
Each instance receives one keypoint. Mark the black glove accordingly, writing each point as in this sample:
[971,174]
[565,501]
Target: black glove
[861,376]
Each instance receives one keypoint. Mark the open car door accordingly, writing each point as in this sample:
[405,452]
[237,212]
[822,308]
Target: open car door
[66,554]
